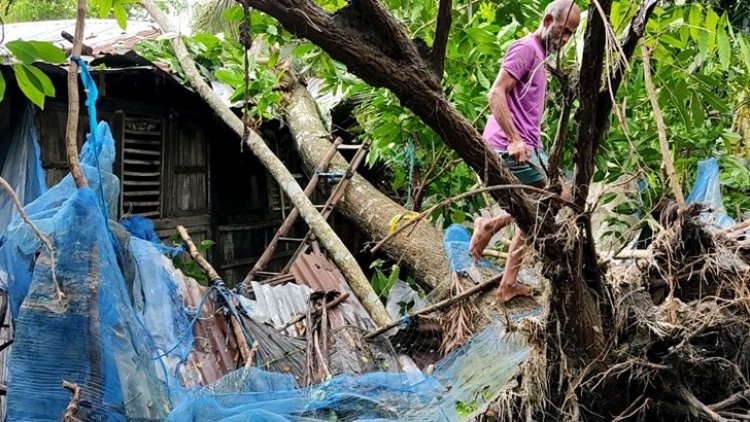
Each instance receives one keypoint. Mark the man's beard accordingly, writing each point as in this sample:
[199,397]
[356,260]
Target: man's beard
[551,45]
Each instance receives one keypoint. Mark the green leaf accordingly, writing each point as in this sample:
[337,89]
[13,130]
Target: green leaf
[23,78]
[696,109]
[725,50]
[120,14]
[710,27]
[40,80]
[234,14]
[273,59]
[272,30]
[209,40]
[694,20]
[23,50]
[744,52]
[104,7]
[48,52]
[2,87]
[483,81]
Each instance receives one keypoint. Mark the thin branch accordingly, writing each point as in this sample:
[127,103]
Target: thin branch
[71,412]
[731,400]
[71,136]
[45,240]
[329,305]
[695,403]
[464,195]
[661,128]
[442,30]
[440,305]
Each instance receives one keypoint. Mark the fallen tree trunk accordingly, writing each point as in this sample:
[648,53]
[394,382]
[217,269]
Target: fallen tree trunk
[420,248]
[328,238]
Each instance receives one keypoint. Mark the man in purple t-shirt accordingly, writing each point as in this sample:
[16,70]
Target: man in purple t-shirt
[513,130]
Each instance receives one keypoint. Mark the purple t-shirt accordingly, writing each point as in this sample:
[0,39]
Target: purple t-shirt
[525,61]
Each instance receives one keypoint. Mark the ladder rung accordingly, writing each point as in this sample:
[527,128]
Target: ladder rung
[290,239]
[349,146]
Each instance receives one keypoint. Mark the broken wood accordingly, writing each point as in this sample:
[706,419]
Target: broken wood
[199,259]
[330,305]
[71,412]
[661,128]
[71,135]
[239,334]
[320,227]
[440,305]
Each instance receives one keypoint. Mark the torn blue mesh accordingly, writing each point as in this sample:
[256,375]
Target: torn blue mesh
[707,190]
[21,165]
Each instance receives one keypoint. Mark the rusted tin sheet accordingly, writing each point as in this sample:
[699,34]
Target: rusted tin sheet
[214,353]
[314,270]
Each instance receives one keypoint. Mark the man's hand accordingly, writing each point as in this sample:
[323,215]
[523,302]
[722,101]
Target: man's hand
[519,151]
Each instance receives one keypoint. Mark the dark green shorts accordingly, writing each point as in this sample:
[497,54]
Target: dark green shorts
[532,171]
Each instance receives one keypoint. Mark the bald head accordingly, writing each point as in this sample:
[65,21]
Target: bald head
[559,22]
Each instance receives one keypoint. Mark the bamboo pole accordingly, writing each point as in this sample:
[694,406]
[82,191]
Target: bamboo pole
[71,135]
[245,352]
[319,226]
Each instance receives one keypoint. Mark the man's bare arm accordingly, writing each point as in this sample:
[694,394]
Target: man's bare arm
[498,101]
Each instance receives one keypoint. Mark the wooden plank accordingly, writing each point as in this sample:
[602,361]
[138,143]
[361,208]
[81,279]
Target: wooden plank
[141,183]
[142,193]
[189,221]
[141,142]
[142,151]
[144,204]
[149,213]
[143,162]
[243,227]
[142,132]
[142,173]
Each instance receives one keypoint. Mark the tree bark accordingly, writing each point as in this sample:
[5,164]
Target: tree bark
[366,207]
[319,226]
[71,135]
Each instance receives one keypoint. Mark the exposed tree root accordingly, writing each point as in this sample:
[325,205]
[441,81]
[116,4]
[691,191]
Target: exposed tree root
[679,349]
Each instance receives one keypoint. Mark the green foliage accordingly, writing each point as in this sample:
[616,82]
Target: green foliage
[701,67]
[221,59]
[33,82]
[38,10]
[382,283]
[187,265]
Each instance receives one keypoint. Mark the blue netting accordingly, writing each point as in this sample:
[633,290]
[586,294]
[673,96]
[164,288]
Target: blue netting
[21,167]
[707,190]
[456,243]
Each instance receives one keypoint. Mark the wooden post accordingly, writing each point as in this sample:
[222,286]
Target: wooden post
[71,135]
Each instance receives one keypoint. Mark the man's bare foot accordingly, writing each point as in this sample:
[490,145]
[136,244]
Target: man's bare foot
[506,292]
[481,237]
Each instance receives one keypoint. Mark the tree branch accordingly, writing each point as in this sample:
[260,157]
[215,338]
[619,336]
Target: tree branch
[71,134]
[661,128]
[442,30]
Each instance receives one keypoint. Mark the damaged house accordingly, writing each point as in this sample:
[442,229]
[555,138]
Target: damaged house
[177,165]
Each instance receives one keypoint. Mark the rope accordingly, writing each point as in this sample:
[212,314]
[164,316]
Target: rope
[247,42]
[410,154]
[92,94]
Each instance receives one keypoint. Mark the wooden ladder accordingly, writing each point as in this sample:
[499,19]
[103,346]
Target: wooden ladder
[337,192]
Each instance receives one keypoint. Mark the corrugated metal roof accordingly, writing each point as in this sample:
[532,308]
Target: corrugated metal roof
[313,269]
[104,36]
[213,351]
